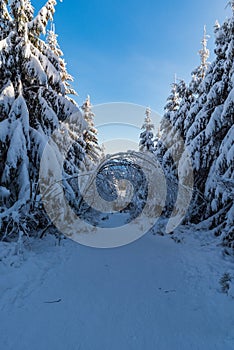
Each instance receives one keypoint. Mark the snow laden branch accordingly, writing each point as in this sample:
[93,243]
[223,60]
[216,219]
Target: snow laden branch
[38,25]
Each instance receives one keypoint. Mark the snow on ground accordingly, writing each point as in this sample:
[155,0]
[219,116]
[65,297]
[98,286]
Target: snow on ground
[152,294]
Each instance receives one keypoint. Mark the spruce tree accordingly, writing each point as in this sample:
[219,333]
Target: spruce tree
[205,120]
[181,109]
[33,104]
[219,141]
[169,134]
[200,138]
[147,136]
[199,73]
[209,138]
[172,105]
[197,89]
[92,148]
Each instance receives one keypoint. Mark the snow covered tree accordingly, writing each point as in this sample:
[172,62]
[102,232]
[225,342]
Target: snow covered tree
[147,136]
[219,140]
[209,109]
[197,90]
[54,46]
[203,125]
[200,72]
[172,105]
[157,138]
[179,114]
[90,135]
[168,133]
[220,190]
[209,138]
[33,104]
[173,101]
[187,99]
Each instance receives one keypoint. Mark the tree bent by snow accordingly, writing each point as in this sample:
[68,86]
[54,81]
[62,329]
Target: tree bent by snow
[34,102]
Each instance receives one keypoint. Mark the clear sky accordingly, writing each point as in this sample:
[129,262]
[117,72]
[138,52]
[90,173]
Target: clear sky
[129,50]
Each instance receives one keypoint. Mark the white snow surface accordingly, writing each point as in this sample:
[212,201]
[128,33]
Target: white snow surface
[152,294]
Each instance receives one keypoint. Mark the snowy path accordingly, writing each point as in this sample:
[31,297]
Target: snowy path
[153,294]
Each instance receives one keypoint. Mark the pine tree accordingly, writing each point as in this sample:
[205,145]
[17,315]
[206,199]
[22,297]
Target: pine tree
[171,108]
[164,148]
[33,104]
[61,64]
[147,136]
[169,134]
[187,99]
[164,141]
[197,89]
[209,108]
[198,74]
[173,102]
[209,138]
[220,142]
[174,134]
[204,118]
[92,148]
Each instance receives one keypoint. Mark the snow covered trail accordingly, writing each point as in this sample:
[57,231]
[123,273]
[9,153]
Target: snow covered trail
[152,294]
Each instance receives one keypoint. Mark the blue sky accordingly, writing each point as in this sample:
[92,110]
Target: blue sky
[130,50]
